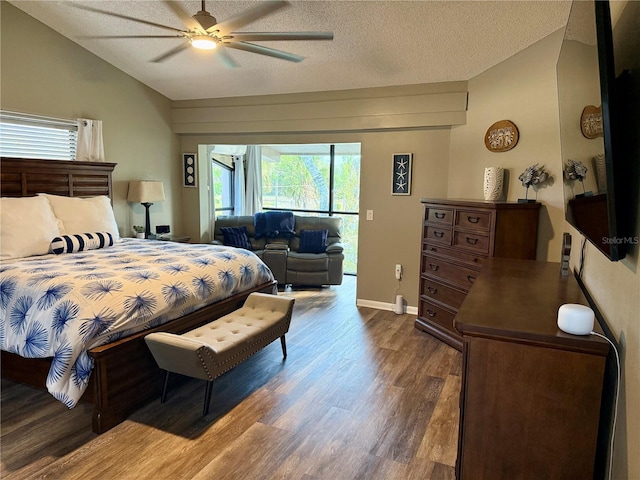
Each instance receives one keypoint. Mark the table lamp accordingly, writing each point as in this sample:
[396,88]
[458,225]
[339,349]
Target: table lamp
[146,192]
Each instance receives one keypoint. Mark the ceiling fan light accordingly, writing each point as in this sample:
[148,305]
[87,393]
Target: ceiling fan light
[204,42]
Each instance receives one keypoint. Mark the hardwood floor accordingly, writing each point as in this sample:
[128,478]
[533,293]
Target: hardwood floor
[362,394]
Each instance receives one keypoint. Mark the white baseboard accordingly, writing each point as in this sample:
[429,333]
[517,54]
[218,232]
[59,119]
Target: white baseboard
[384,306]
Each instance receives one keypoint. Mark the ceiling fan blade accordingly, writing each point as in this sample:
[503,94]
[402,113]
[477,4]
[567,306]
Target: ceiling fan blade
[248,16]
[129,36]
[271,52]
[187,19]
[117,15]
[171,52]
[273,36]
[226,59]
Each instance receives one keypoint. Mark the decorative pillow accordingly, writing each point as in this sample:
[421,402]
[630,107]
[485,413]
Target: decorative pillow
[313,241]
[80,215]
[236,237]
[80,242]
[27,227]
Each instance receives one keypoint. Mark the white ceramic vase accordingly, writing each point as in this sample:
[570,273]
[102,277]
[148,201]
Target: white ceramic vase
[601,175]
[493,179]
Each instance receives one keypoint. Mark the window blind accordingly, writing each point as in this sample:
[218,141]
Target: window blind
[23,135]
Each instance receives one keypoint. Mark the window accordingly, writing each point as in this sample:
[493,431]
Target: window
[316,179]
[222,181]
[32,136]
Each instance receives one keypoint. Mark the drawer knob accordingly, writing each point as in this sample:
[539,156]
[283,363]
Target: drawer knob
[471,278]
[476,259]
[472,241]
[439,215]
[432,290]
[433,249]
[438,234]
[473,219]
[433,266]
[431,313]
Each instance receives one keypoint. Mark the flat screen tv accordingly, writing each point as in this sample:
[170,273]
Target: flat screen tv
[598,74]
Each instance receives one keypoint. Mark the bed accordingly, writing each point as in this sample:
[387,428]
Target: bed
[124,375]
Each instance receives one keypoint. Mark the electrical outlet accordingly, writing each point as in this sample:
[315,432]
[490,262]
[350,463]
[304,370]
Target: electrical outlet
[398,271]
[369,214]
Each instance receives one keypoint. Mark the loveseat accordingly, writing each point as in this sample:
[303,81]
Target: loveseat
[291,264]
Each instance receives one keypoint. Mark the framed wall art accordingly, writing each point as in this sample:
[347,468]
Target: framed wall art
[189,170]
[401,174]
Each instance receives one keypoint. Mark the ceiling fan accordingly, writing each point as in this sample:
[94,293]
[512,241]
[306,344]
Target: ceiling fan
[203,31]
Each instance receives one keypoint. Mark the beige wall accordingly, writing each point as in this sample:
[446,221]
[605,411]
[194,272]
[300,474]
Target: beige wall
[45,73]
[615,288]
[393,236]
[521,89]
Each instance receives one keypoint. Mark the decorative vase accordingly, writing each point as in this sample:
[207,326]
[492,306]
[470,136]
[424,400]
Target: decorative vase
[600,169]
[139,234]
[493,179]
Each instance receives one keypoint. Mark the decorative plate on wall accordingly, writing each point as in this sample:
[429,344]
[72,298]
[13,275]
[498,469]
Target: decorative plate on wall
[591,121]
[501,136]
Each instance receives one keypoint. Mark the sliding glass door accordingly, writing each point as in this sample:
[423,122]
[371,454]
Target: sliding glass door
[316,179]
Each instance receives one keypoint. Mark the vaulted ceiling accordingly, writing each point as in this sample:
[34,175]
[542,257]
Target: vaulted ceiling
[376,43]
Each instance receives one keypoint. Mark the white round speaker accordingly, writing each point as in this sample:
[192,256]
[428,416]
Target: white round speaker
[575,319]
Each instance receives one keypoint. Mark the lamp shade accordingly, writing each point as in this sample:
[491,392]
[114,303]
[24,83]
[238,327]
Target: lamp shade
[144,191]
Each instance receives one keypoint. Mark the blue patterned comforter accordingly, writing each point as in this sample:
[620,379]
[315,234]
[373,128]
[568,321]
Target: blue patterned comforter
[60,306]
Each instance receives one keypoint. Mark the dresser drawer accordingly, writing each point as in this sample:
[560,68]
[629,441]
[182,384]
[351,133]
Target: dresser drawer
[475,219]
[467,257]
[441,293]
[435,314]
[439,215]
[449,272]
[471,241]
[441,235]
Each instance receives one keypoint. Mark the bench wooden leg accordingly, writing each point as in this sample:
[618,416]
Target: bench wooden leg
[163,398]
[207,398]
[284,346]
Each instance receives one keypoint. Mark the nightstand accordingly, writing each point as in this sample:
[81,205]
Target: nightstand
[174,238]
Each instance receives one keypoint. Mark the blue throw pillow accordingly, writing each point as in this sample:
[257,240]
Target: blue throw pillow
[236,237]
[313,241]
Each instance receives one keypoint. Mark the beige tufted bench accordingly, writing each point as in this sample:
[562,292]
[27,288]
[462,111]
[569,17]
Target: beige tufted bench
[208,351]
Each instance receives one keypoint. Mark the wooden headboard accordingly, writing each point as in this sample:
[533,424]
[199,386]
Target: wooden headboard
[24,177]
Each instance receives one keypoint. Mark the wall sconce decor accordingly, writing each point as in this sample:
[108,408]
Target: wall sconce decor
[591,122]
[190,178]
[401,174]
[501,136]
[145,192]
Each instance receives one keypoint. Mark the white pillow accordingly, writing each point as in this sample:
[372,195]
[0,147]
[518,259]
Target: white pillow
[83,215]
[27,226]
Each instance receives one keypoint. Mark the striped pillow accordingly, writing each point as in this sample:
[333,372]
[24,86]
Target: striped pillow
[80,242]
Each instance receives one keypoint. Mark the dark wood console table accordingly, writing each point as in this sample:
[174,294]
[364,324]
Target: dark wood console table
[530,400]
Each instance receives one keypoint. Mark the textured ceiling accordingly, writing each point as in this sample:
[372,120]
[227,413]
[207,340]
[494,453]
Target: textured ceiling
[376,43]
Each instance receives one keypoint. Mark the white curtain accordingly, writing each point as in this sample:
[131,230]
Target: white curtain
[90,147]
[238,185]
[253,198]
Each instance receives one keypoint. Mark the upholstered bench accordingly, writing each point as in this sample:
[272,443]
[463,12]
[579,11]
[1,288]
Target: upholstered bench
[210,350]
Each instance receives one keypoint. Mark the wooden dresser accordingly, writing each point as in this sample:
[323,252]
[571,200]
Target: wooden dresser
[531,394]
[457,237]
